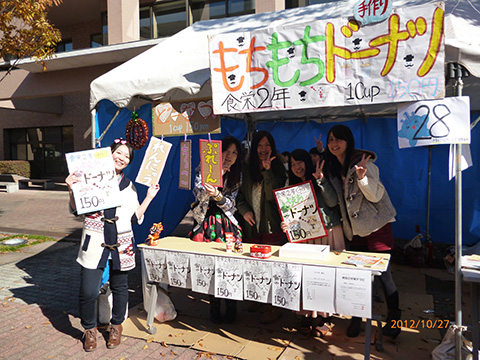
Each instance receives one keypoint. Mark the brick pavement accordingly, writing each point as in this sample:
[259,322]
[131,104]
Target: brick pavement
[39,288]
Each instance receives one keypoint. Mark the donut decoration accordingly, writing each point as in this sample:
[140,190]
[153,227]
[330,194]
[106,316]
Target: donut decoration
[136,132]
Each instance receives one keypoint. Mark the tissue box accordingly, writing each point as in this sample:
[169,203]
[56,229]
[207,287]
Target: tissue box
[305,251]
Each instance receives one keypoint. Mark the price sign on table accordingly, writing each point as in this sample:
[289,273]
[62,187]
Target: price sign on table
[97,188]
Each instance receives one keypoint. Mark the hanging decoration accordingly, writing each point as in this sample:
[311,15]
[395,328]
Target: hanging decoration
[136,132]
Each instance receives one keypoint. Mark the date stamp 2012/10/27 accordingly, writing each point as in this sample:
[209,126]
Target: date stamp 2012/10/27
[421,324]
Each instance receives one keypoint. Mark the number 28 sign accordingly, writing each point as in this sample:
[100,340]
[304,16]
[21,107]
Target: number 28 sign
[433,122]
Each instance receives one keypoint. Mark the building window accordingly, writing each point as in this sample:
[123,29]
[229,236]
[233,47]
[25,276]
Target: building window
[167,18]
[44,148]
[289,4]
[216,9]
[64,45]
[96,40]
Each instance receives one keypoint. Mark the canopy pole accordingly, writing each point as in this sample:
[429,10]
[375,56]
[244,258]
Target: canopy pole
[458,228]
[94,126]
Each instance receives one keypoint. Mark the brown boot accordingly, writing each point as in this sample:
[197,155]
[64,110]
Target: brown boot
[90,339]
[115,336]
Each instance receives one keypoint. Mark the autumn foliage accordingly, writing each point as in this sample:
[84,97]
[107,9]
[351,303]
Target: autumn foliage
[25,30]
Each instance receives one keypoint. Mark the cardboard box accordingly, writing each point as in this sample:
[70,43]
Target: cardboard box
[304,251]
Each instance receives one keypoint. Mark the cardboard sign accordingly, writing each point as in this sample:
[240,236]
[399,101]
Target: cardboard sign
[299,209]
[98,186]
[331,62]
[434,122]
[185,176]
[211,162]
[185,117]
[153,162]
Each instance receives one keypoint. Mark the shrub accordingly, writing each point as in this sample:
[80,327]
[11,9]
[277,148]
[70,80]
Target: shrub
[16,167]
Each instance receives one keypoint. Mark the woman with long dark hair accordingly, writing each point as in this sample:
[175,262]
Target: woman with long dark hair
[263,173]
[214,210]
[367,211]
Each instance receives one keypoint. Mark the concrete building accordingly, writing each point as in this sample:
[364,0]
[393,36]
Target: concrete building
[45,113]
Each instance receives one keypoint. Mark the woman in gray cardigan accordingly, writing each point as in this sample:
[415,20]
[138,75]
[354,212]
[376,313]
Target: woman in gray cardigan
[367,212]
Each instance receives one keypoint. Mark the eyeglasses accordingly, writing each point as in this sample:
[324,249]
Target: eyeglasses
[121,141]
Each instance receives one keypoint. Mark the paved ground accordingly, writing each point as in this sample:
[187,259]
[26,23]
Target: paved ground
[39,288]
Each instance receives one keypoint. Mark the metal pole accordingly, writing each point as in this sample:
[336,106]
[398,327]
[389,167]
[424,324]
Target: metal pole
[458,233]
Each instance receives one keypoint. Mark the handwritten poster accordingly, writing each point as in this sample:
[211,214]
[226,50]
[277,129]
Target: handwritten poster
[185,176]
[202,269]
[228,278]
[185,117]
[178,268]
[353,292]
[97,188]
[434,122]
[257,281]
[153,162]
[211,162]
[156,265]
[318,288]
[298,208]
[333,62]
[286,287]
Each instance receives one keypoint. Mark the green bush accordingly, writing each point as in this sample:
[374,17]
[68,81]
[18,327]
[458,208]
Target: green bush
[16,167]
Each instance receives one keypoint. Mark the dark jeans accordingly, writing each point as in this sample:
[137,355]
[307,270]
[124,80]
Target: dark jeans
[91,280]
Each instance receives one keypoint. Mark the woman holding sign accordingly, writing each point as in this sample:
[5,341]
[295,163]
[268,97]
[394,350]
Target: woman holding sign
[108,237]
[213,213]
[367,211]
[301,170]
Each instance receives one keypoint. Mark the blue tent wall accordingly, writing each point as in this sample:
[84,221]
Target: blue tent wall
[171,204]
[404,173]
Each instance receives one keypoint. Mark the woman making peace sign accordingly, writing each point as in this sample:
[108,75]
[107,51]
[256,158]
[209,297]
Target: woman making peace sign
[367,212]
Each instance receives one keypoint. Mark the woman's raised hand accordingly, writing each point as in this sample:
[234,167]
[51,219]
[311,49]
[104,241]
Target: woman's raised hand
[71,179]
[318,174]
[319,143]
[153,190]
[267,164]
[361,168]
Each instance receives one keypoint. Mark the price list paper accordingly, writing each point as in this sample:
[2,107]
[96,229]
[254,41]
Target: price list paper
[202,269]
[97,188]
[287,281]
[318,288]
[298,208]
[228,278]
[353,292]
[156,265]
[257,281]
[178,269]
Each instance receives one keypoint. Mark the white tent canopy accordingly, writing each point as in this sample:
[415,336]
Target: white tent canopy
[179,67]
